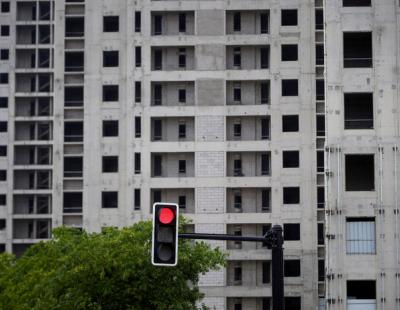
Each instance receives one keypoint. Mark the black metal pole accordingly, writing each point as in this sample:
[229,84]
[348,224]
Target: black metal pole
[222,237]
[277,268]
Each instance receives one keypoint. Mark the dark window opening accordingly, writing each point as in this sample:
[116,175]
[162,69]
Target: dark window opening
[4,54]
[264,164]
[3,102]
[111,23]
[109,199]
[157,196]
[3,175]
[73,96]
[264,89]
[157,59]
[293,303]
[266,303]
[319,19]
[3,200]
[43,58]
[290,87]
[291,232]
[3,126]
[319,54]
[3,150]
[138,21]
[137,199]
[361,289]
[182,166]
[291,268]
[138,91]
[264,23]
[2,224]
[358,111]
[357,49]
[237,306]
[74,27]
[237,21]
[290,159]
[320,89]
[5,30]
[265,128]
[237,273]
[360,174]
[73,167]
[157,94]
[138,126]
[237,57]
[73,202]
[291,195]
[182,57]
[320,233]
[265,200]
[237,168]
[182,130]
[110,128]
[182,202]
[321,270]
[44,34]
[182,95]
[138,163]
[157,25]
[264,57]
[237,200]
[74,61]
[237,93]
[5,7]
[356,3]
[289,52]
[182,22]
[266,272]
[320,125]
[73,131]
[157,163]
[289,17]
[237,130]
[320,161]
[110,93]
[138,56]
[321,197]
[110,164]
[110,59]
[3,78]
[44,10]
[157,134]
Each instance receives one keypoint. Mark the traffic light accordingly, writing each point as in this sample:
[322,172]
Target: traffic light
[164,250]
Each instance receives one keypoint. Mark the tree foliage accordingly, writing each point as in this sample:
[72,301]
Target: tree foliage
[108,270]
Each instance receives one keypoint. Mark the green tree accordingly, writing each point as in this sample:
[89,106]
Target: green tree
[108,270]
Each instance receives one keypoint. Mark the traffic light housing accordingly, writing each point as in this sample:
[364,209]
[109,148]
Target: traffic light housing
[164,250]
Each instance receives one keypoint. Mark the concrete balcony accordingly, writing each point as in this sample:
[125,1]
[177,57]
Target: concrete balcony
[248,164]
[172,165]
[172,129]
[173,93]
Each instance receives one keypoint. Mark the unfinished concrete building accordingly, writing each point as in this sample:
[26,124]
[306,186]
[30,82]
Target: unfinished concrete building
[362,115]
[107,106]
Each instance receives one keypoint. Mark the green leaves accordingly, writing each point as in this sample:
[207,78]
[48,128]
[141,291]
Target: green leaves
[108,270]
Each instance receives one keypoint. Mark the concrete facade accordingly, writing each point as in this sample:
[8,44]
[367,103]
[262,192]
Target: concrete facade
[371,133]
[219,106]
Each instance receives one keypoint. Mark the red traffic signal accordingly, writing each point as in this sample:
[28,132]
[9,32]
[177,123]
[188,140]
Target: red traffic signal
[164,250]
